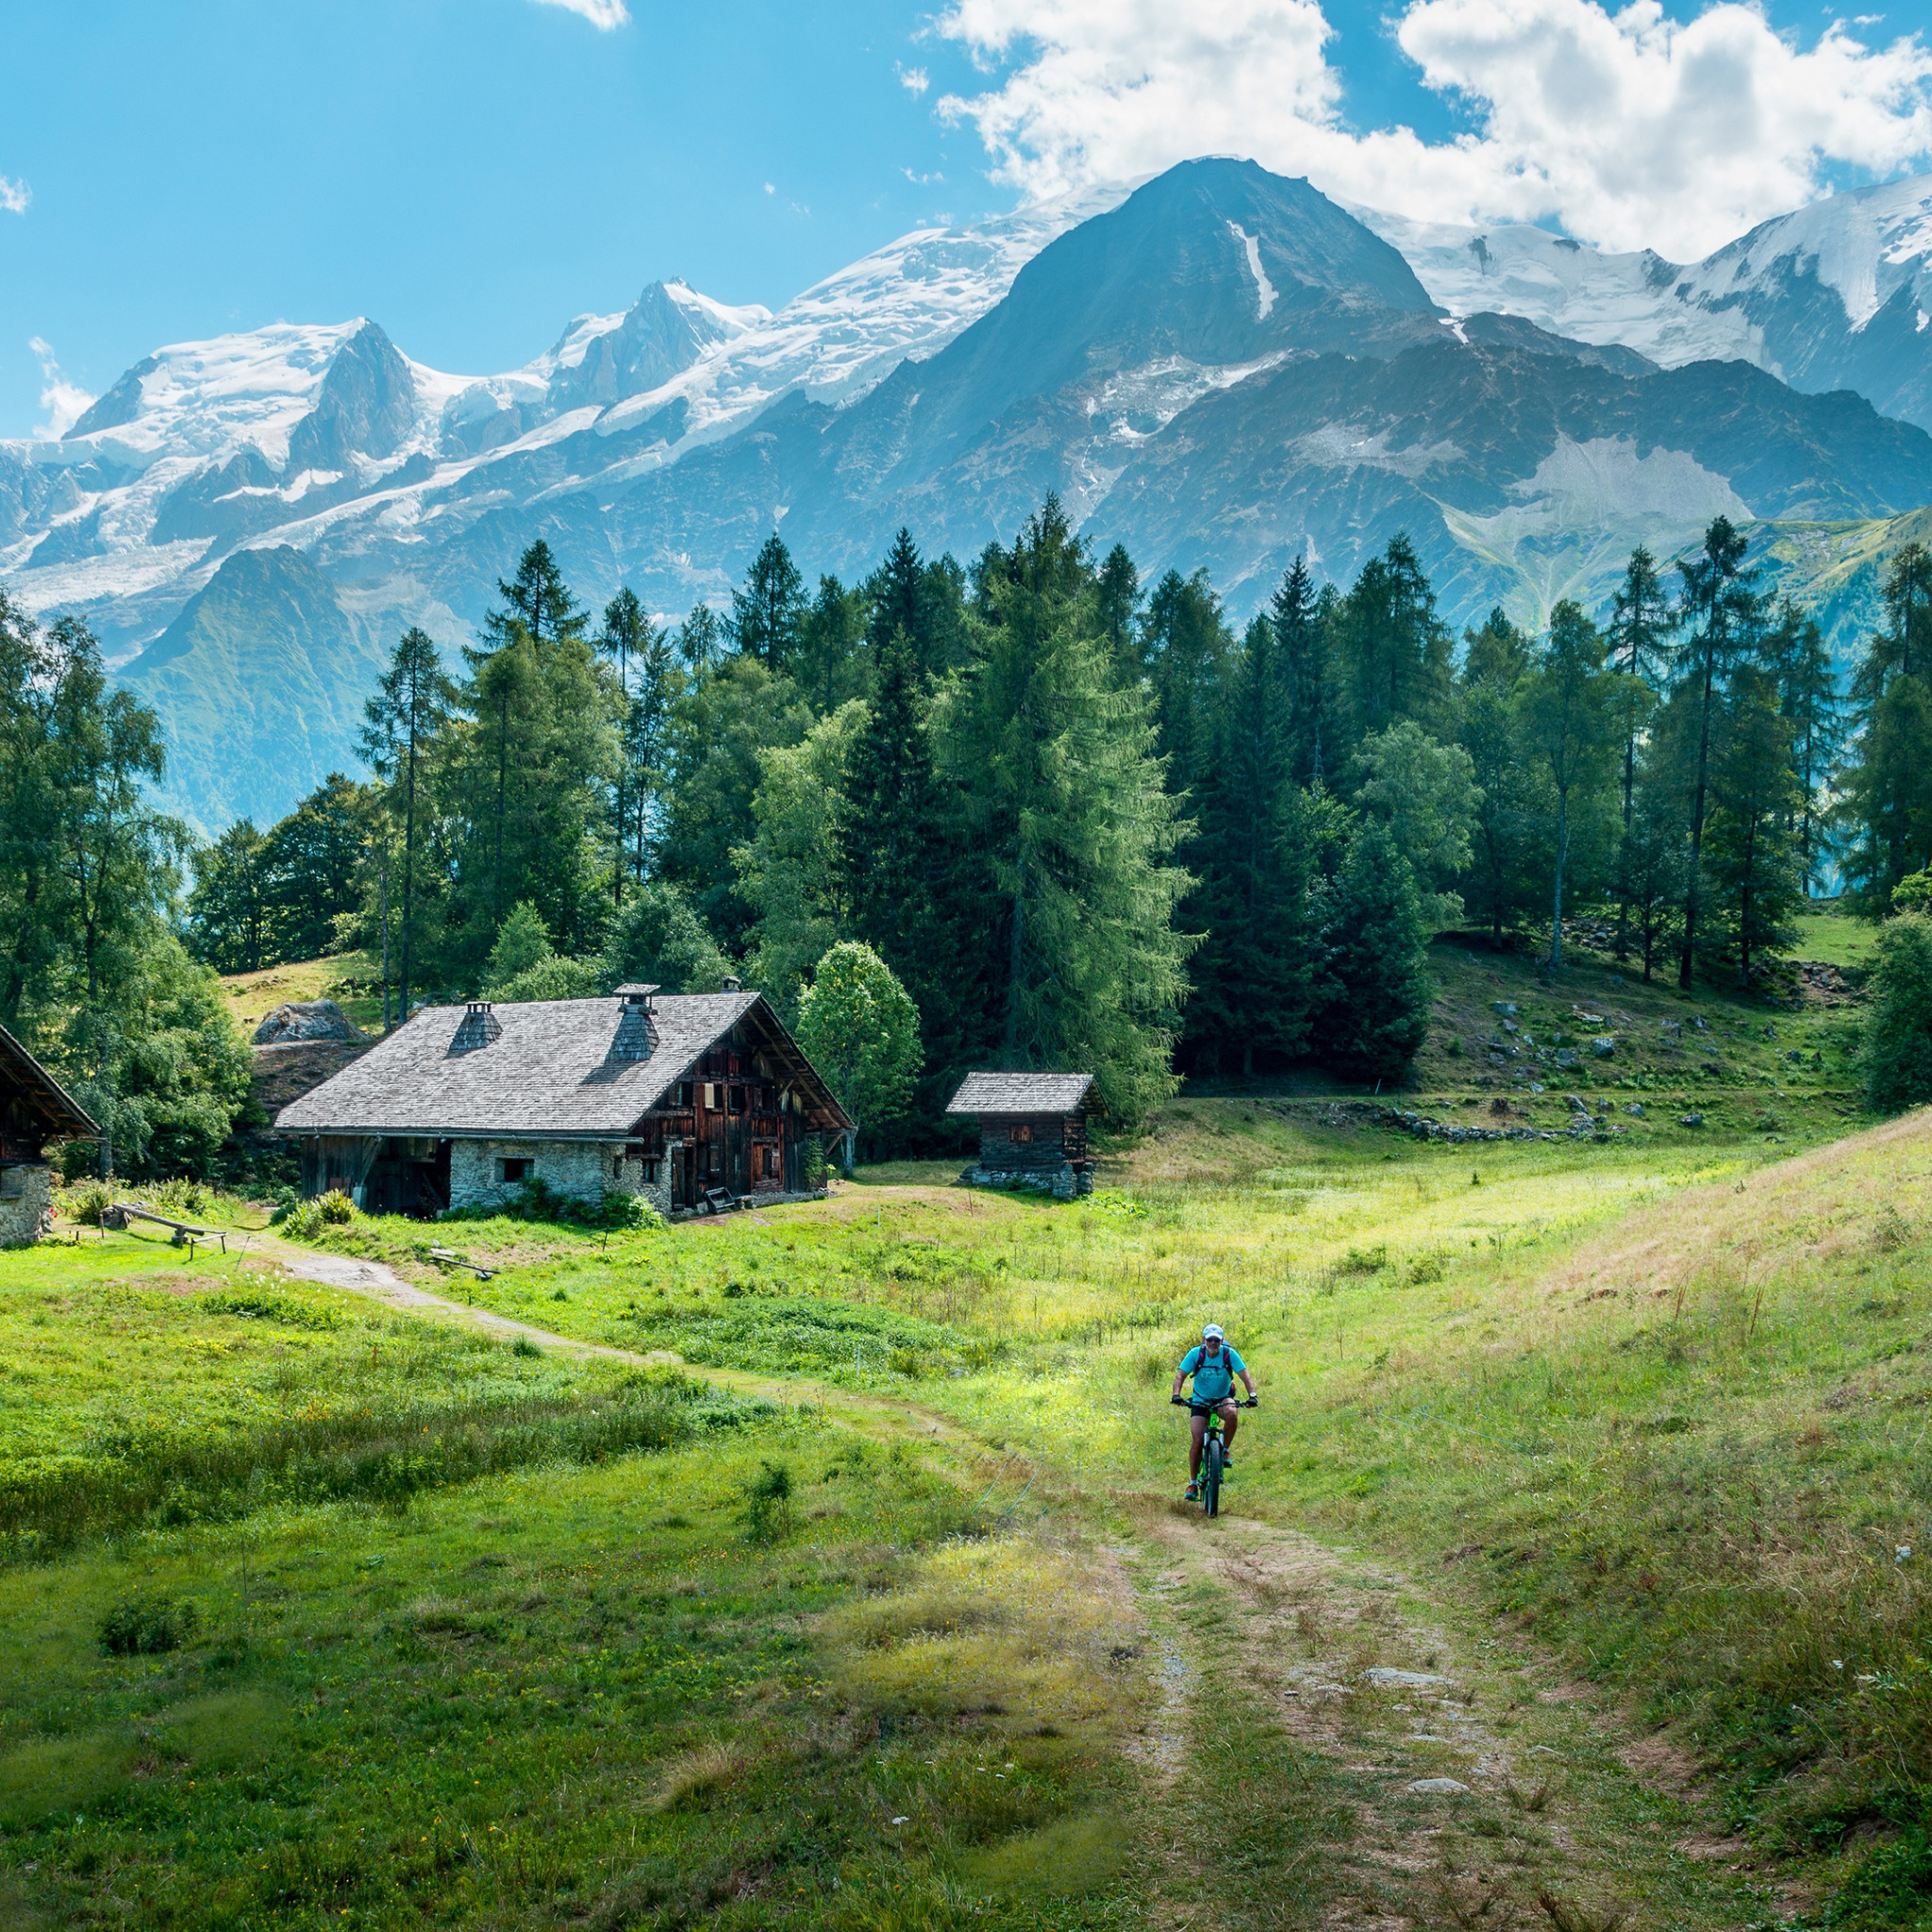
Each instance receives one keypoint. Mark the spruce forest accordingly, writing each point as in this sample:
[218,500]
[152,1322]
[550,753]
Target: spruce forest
[1082,821]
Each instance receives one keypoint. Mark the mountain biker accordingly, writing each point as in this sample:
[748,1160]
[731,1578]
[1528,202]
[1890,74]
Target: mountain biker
[1213,1364]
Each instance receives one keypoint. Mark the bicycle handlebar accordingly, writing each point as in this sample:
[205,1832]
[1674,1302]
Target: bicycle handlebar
[1192,1402]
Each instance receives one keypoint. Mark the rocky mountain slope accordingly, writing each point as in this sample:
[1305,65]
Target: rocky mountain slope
[1220,369]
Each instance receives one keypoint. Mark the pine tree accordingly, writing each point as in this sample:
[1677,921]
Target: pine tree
[402,727]
[1499,654]
[1118,586]
[898,872]
[1720,613]
[1251,974]
[1064,789]
[1300,626]
[1640,635]
[1564,704]
[1809,700]
[719,729]
[896,593]
[1391,651]
[1887,786]
[539,599]
[765,614]
[628,638]
[1501,890]
[1750,851]
[1374,1013]
[701,640]
[1187,648]
[831,656]
[1902,647]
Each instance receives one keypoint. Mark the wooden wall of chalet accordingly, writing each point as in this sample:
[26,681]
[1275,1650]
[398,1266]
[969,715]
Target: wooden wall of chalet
[737,1136]
[1018,1143]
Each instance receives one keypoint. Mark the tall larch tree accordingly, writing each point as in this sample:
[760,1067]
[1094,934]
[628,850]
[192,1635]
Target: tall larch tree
[1719,622]
[403,727]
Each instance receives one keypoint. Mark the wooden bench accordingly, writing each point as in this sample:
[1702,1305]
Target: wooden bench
[449,1259]
[183,1233]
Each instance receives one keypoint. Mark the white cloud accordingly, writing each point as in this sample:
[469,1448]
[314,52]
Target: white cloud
[915,80]
[65,402]
[602,14]
[1630,128]
[14,196]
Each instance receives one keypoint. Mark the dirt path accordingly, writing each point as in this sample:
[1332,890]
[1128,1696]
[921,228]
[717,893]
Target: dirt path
[383,1284]
[1442,1778]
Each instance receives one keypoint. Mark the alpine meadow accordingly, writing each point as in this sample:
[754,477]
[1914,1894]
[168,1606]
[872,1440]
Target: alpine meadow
[651,1008]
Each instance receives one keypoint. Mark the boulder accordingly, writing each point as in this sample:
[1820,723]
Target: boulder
[296,1022]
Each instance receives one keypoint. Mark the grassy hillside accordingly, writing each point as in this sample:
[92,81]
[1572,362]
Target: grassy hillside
[344,977]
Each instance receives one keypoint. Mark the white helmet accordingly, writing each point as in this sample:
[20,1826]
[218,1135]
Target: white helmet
[1212,1333]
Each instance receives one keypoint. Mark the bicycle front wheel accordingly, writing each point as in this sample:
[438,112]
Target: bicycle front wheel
[1210,1477]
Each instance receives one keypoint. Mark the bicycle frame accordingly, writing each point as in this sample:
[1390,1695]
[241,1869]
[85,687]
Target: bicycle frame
[1213,1449]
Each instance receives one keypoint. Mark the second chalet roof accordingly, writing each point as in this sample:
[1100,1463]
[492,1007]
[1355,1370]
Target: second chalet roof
[568,1068]
[1020,1094]
[28,1091]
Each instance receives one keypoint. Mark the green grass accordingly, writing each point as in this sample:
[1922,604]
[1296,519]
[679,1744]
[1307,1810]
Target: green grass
[1836,937]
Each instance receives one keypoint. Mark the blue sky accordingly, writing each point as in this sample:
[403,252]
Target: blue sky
[472,173]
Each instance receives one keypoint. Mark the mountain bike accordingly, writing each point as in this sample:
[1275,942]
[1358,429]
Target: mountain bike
[1213,1449]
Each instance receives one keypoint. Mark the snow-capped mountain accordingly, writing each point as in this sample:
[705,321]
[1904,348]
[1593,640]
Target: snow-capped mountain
[1835,296]
[311,431]
[1222,368]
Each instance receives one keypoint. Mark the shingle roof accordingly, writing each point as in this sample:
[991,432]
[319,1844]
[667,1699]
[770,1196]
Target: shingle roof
[568,1069]
[29,1091]
[1020,1094]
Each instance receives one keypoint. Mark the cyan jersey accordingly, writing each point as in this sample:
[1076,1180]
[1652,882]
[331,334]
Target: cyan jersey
[1213,1374]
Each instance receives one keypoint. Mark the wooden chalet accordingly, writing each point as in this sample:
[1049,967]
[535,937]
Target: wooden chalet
[35,1112]
[694,1101]
[1032,1131]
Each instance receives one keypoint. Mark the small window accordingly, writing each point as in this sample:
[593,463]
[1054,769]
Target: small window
[1019,1130]
[650,1174]
[519,1170]
[617,1167]
[714,1096]
[737,1100]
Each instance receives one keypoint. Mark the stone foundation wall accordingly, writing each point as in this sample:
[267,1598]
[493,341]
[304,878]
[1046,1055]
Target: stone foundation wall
[1067,1183]
[26,1205]
[583,1169]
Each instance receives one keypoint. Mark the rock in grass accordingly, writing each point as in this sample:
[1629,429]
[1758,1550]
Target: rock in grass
[1434,1787]
[1690,1119]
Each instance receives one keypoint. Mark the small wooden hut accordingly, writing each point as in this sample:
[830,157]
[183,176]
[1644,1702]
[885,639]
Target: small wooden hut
[1032,1131]
[35,1111]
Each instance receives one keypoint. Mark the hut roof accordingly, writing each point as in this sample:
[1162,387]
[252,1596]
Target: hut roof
[545,1068]
[1022,1093]
[33,1103]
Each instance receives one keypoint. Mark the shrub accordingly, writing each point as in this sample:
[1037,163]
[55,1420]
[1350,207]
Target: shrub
[1897,1044]
[145,1626]
[88,1204]
[814,1166]
[767,1503]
